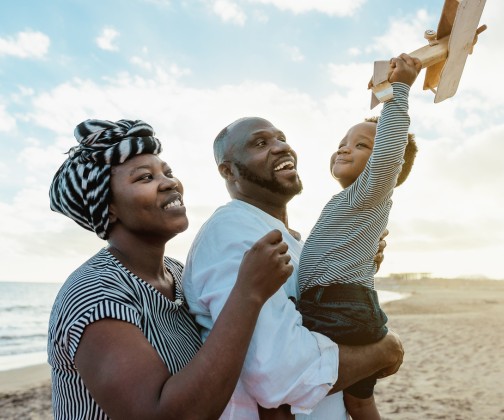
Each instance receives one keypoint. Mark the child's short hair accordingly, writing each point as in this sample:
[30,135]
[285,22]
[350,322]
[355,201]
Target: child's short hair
[409,154]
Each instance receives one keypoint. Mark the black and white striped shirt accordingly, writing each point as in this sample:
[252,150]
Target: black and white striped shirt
[103,288]
[343,242]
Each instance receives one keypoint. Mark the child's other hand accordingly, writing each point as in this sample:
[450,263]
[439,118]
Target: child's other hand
[404,69]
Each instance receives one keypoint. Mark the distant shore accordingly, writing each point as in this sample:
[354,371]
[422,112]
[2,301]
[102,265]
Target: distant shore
[453,366]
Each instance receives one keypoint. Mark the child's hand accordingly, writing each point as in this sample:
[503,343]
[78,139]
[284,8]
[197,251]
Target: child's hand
[404,69]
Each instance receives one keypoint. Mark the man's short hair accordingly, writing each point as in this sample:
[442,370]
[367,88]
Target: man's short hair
[219,145]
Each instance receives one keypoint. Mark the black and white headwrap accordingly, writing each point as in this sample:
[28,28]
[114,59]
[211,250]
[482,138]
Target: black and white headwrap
[81,187]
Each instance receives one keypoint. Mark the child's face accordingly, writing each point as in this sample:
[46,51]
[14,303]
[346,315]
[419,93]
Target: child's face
[354,150]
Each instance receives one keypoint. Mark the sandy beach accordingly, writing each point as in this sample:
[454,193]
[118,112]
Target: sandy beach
[25,393]
[453,368]
[454,360]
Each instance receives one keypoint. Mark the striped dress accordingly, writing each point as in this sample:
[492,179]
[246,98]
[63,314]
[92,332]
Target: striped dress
[103,288]
[342,244]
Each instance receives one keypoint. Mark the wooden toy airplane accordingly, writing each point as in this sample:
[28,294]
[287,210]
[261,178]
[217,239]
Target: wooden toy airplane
[445,55]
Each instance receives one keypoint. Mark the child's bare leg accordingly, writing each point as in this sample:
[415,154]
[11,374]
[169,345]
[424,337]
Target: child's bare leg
[281,413]
[361,408]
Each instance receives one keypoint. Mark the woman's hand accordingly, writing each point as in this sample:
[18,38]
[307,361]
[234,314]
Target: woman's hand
[265,267]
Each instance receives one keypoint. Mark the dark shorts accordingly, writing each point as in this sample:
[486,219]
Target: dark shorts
[347,314]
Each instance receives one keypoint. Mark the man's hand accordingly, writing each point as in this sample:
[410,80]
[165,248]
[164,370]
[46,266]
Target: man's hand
[382,359]
[396,352]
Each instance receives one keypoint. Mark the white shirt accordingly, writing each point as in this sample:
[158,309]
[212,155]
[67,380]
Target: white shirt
[285,362]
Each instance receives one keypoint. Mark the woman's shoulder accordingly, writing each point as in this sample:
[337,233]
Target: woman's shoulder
[96,277]
[99,264]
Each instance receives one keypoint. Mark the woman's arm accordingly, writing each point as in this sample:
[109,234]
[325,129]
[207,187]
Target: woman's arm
[128,379]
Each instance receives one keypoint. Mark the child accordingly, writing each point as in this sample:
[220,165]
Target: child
[336,268]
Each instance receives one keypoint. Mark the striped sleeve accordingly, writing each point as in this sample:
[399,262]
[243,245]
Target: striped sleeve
[103,309]
[378,179]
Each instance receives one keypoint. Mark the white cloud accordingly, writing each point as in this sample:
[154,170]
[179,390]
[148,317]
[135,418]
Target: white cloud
[29,44]
[229,11]
[4,171]
[23,92]
[107,38]
[260,16]
[177,71]
[7,121]
[348,75]
[140,62]
[292,52]
[404,35]
[329,7]
[354,52]
[157,69]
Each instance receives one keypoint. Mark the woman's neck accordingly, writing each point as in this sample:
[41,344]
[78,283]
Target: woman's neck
[145,259]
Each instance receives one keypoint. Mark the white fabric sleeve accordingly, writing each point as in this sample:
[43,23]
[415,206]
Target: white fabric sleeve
[285,363]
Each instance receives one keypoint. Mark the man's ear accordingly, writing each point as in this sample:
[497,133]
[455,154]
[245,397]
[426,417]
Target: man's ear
[226,171]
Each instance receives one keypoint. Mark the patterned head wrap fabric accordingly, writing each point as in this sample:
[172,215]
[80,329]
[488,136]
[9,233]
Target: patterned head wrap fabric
[81,187]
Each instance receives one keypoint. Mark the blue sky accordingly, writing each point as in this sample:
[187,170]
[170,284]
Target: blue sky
[191,67]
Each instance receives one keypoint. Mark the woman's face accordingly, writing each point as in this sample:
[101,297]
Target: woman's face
[146,198]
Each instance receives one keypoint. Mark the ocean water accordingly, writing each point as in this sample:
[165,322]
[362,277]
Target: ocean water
[385,296]
[24,317]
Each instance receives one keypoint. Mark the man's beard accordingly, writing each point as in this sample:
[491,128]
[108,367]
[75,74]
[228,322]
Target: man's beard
[272,184]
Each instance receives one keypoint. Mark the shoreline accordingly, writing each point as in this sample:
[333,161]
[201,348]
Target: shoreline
[23,360]
[452,366]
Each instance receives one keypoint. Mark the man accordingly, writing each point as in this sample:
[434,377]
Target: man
[286,363]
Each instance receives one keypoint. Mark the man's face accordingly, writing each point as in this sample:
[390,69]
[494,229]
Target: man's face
[263,159]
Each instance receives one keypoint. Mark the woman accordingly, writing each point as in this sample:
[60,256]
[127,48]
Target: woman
[122,343]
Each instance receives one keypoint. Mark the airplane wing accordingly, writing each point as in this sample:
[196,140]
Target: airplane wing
[459,46]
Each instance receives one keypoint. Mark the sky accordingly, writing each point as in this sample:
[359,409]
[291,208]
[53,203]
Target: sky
[189,68]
